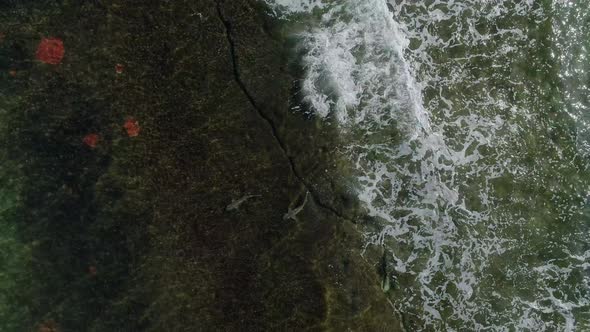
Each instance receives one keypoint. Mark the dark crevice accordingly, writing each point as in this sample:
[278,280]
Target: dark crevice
[267,119]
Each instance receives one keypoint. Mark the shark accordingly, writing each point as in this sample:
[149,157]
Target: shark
[235,204]
[292,213]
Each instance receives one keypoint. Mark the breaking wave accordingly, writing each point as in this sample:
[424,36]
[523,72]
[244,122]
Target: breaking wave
[466,125]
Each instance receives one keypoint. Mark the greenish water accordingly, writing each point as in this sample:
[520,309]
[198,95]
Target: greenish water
[467,125]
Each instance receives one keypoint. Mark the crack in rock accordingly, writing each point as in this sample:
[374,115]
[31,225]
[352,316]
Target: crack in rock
[267,119]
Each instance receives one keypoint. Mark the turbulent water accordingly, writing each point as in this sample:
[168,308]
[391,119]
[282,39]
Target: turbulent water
[467,124]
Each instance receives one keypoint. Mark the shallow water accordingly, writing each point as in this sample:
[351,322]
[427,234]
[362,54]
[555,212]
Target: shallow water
[466,123]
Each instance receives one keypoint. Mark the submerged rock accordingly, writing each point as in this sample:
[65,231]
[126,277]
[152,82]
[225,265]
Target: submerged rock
[211,83]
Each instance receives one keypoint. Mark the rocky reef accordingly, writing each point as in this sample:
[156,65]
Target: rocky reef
[155,178]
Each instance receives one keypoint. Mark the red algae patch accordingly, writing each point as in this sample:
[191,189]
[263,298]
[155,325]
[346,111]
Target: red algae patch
[132,127]
[50,51]
[119,68]
[91,140]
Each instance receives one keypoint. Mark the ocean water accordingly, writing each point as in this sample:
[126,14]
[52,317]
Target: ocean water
[467,125]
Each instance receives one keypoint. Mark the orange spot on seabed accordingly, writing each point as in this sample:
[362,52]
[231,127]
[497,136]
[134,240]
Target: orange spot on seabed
[92,270]
[50,51]
[132,127]
[91,140]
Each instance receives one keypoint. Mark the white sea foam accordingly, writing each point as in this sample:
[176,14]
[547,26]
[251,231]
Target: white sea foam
[355,69]
[284,8]
[457,197]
